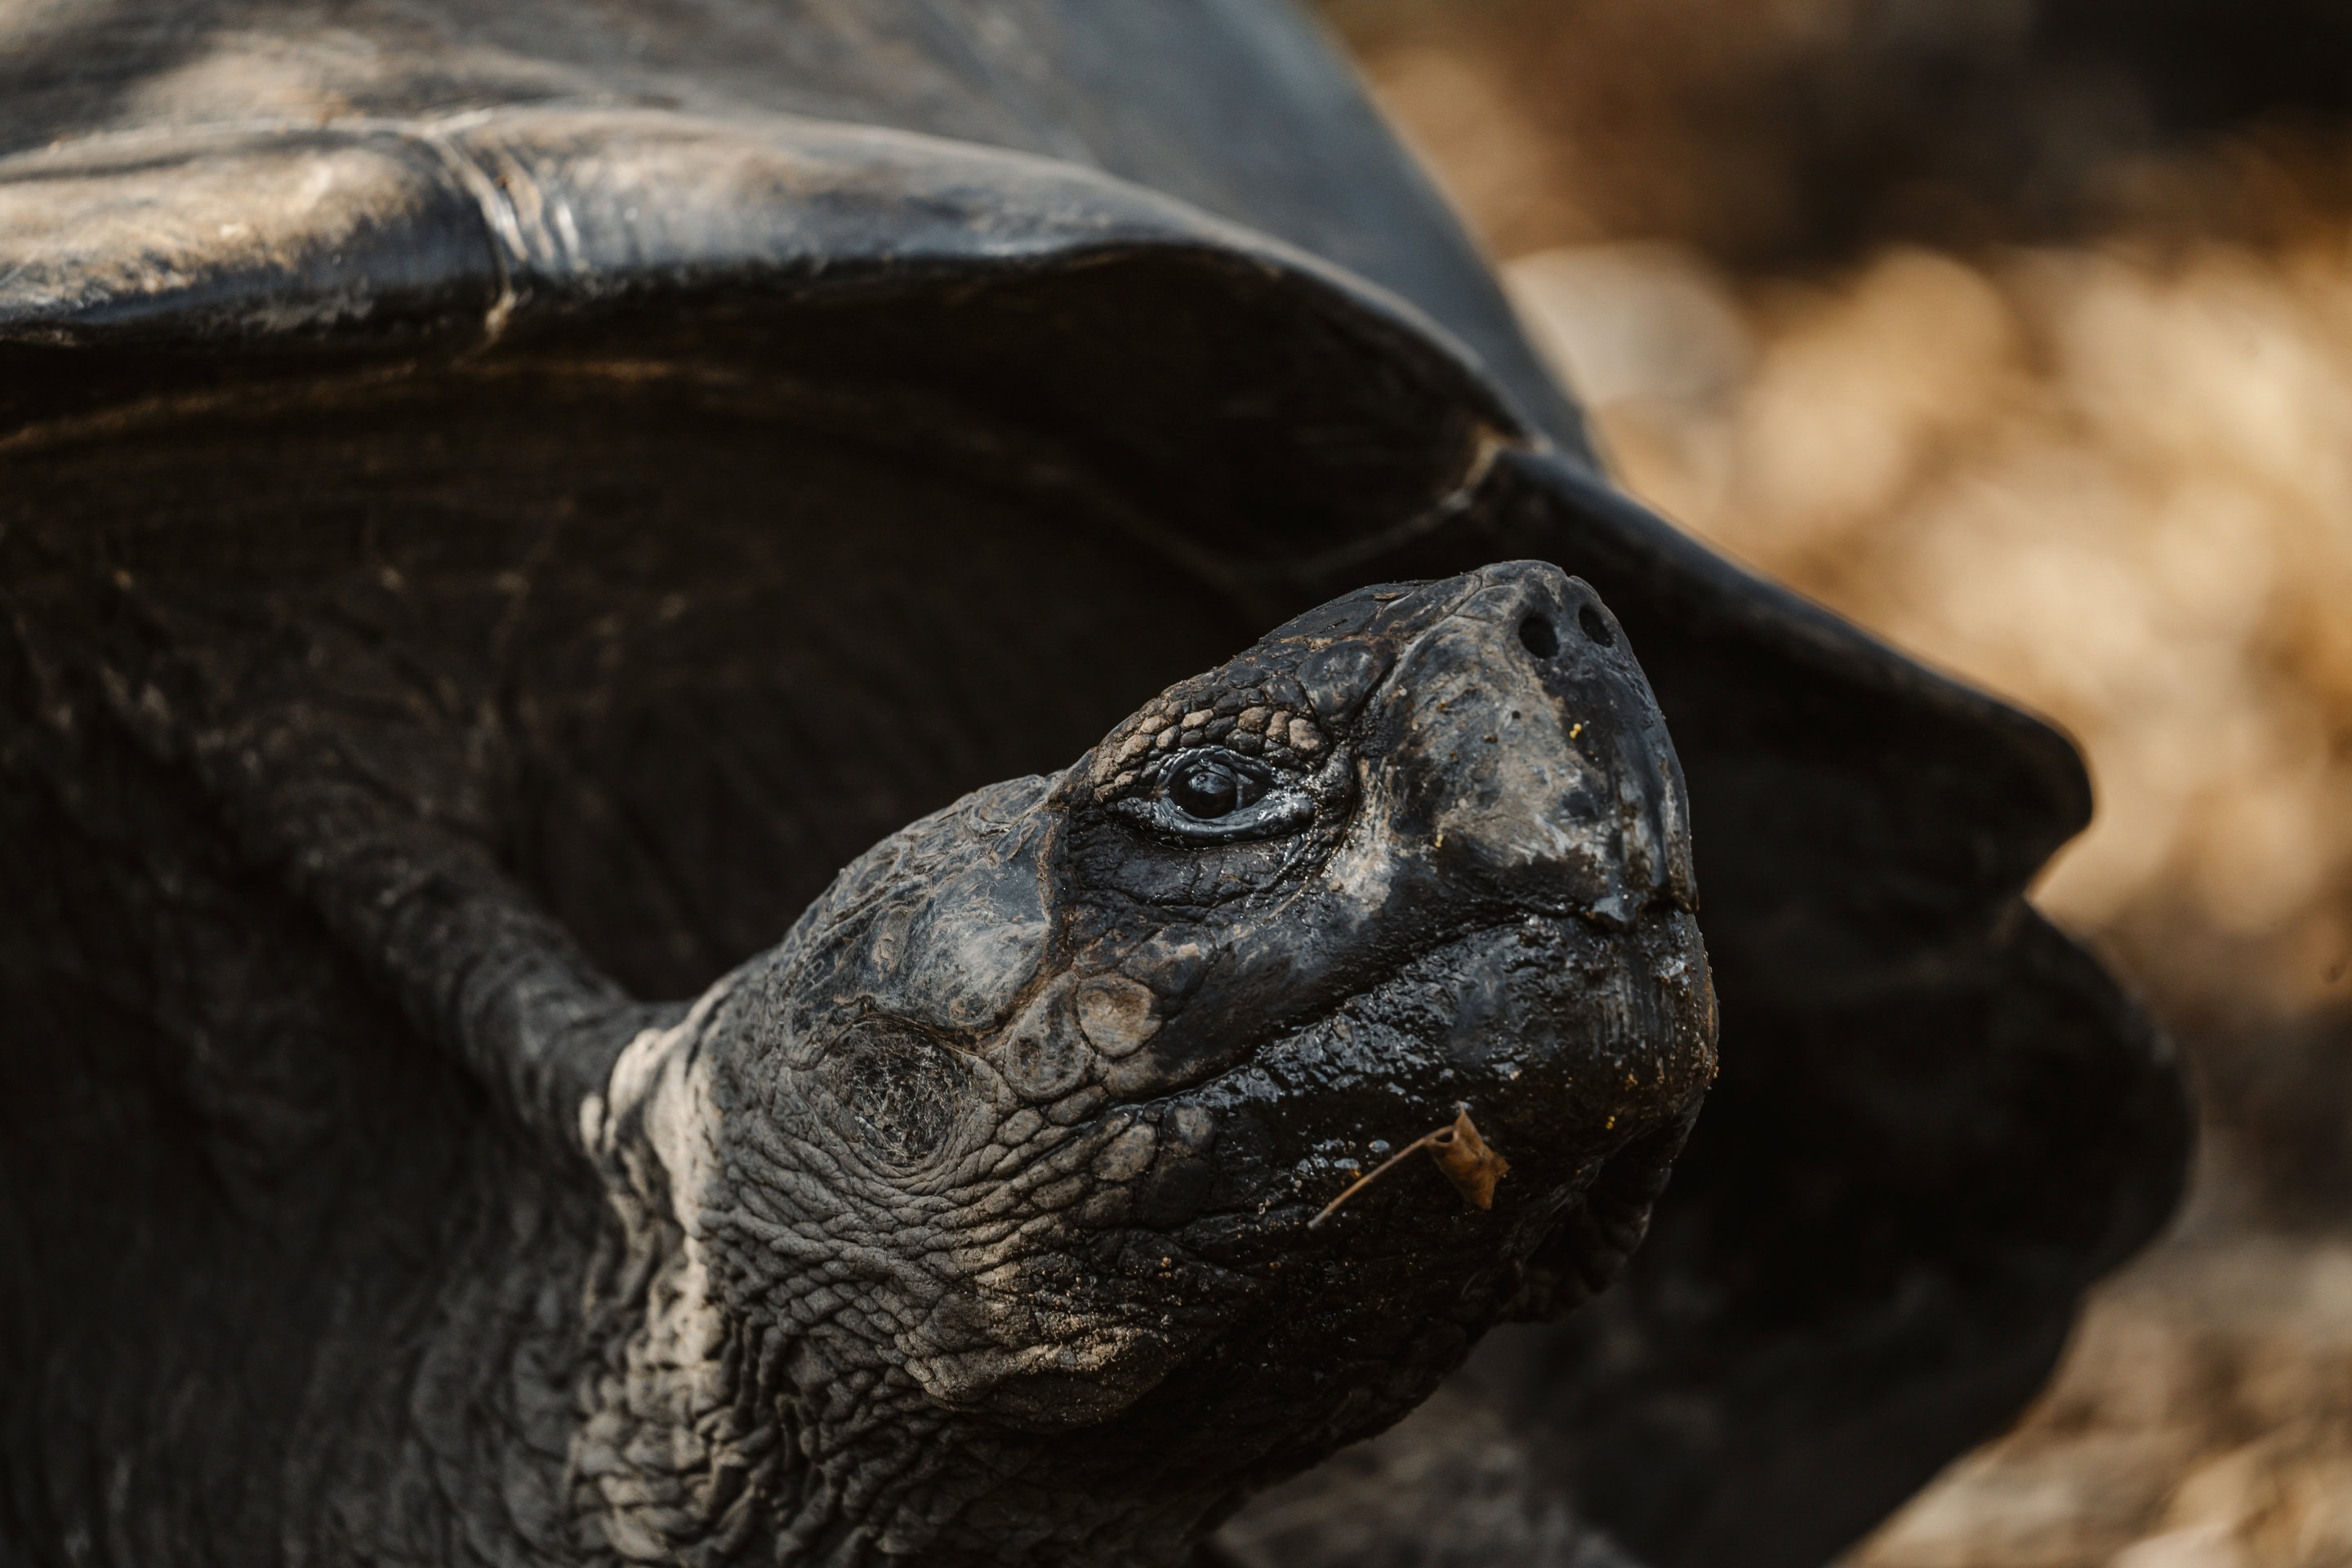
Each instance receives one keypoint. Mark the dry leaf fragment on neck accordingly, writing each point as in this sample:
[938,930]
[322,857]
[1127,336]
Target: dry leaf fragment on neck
[1468,1160]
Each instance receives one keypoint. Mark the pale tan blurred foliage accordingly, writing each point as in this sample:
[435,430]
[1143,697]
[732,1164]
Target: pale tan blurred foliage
[2202,1419]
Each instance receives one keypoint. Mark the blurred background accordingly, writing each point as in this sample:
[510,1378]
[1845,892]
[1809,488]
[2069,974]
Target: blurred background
[2021,332]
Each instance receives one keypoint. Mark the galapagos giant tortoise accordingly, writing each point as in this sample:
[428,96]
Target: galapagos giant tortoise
[512,508]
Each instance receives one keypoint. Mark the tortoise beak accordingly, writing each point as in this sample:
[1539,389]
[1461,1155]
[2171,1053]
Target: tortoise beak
[1528,754]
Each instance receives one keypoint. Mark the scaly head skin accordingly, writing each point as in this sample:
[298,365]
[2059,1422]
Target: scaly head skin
[971,1222]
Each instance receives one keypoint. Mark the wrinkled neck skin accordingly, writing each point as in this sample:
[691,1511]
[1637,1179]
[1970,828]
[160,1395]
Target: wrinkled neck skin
[969,1224]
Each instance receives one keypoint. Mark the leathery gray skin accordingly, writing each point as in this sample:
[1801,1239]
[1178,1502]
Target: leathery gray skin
[968,1224]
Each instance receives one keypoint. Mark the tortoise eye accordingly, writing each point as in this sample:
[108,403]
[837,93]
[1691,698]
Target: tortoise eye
[1210,788]
[1215,796]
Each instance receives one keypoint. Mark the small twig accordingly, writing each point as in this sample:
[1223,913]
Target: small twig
[1468,1162]
[1365,1180]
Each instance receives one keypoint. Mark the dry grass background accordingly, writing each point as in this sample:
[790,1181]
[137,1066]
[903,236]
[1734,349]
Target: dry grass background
[2021,332]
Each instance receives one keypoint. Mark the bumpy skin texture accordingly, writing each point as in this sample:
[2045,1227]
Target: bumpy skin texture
[969,1222]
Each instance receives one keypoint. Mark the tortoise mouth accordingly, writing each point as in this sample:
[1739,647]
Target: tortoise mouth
[1565,1037]
[1582,1052]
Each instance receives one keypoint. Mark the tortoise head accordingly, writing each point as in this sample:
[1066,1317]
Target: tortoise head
[1001,1165]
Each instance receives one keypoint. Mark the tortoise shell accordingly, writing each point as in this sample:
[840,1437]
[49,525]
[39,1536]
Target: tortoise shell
[752,428]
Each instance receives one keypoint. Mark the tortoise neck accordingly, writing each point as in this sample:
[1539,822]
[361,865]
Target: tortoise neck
[714,1434]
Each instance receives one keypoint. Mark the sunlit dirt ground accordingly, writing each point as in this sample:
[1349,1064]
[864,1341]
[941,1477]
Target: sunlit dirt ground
[2070,414]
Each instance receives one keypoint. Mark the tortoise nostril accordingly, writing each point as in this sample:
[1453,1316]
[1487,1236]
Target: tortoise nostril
[1595,627]
[1541,640]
